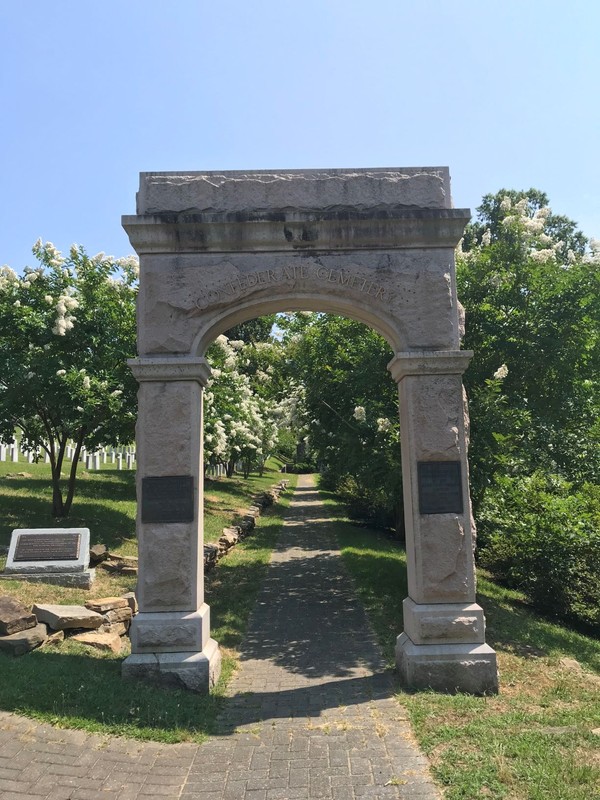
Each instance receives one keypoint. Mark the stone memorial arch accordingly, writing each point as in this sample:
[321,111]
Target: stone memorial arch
[377,245]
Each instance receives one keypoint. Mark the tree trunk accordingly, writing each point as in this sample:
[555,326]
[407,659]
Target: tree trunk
[230,468]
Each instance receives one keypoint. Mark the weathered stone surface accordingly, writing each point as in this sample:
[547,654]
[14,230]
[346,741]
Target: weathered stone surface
[65,617]
[98,553]
[427,187]
[120,628]
[54,638]
[196,672]
[131,601]
[123,614]
[171,631]
[109,642]
[17,644]
[14,617]
[104,604]
[468,668]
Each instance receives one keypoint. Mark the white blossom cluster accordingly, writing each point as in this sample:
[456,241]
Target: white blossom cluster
[238,424]
[64,320]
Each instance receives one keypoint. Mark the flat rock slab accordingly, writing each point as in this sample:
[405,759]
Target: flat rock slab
[14,617]
[64,617]
[108,642]
[119,615]
[17,644]
[104,604]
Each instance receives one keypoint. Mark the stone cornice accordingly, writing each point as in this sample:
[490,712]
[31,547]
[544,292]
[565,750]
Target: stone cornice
[175,368]
[285,230]
[429,362]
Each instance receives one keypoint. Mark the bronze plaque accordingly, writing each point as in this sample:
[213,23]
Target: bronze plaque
[168,499]
[47,547]
[440,487]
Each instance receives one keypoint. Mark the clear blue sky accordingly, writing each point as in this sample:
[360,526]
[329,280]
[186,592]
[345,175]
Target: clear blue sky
[91,93]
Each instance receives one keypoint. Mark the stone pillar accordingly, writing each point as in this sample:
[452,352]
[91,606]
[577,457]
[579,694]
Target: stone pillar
[443,644]
[170,637]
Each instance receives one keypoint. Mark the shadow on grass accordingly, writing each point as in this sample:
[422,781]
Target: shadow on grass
[27,503]
[378,566]
[80,691]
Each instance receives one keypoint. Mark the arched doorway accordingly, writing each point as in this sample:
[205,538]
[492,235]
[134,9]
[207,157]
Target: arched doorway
[377,245]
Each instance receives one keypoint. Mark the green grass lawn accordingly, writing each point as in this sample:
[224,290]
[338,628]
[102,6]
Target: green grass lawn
[72,686]
[535,739]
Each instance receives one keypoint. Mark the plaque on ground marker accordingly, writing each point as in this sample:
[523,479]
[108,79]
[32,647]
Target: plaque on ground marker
[52,555]
[47,547]
[168,499]
[440,487]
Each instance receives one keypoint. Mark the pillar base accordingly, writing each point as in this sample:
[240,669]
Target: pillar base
[195,672]
[469,668]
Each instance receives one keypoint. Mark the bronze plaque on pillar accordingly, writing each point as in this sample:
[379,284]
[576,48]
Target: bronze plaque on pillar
[440,487]
[168,499]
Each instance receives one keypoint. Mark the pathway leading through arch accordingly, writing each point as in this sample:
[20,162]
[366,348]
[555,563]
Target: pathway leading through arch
[311,711]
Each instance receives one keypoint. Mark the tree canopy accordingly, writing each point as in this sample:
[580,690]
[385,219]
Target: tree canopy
[68,327]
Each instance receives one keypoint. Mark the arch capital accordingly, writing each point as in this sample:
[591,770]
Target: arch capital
[429,362]
[173,368]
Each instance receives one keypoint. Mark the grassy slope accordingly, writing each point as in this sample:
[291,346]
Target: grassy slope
[532,741]
[72,686]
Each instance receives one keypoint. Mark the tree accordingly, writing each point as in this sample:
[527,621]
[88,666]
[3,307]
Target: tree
[68,327]
[240,413]
[530,283]
[351,405]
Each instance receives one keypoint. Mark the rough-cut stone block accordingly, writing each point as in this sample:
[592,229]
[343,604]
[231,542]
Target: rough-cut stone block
[98,553]
[104,604]
[120,628]
[54,638]
[108,642]
[469,668]
[65,617]
[131,602]
[17,644]
[119,615]
[424,187]
[14,617]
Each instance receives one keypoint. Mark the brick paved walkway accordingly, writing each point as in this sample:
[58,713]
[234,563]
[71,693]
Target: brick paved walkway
[311,711]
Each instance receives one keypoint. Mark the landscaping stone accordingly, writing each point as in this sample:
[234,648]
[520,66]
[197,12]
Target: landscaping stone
[14,617]
[131,602]
[118,615]
[98,553]
[17,644]
[104,604]
[64,617]
[56,637]
[120,628]
[107,642]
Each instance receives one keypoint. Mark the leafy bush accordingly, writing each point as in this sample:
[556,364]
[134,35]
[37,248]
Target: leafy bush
[539,536]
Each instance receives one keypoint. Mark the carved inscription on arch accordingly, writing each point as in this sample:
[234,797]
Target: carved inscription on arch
[243,283]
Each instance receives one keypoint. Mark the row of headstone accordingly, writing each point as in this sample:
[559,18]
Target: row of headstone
[124,459]
[216,470]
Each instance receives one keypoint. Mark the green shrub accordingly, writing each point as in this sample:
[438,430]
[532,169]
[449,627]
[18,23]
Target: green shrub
[539,536]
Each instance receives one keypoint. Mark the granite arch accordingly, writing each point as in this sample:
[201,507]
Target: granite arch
[377,246]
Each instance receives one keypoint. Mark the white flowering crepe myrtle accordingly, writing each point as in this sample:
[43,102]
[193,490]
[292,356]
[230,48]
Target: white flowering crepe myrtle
[239,424]
[68,329]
